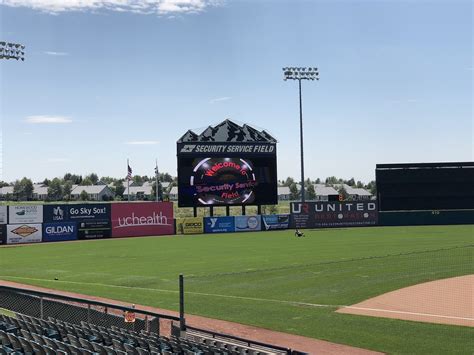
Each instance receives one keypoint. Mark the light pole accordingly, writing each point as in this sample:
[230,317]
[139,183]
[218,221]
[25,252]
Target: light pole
[12,51]
[298,73]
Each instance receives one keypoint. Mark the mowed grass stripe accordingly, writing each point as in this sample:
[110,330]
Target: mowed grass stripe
[269,279]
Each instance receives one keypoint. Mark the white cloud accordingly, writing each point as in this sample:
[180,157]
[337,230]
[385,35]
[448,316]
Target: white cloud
[56,53]
[43,119]
[161,7]
[141,142]
[219,99]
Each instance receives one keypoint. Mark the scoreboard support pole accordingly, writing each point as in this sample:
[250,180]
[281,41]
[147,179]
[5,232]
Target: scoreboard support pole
[195,211]
[243,210]
[227,210]
[259,209]
[211,211]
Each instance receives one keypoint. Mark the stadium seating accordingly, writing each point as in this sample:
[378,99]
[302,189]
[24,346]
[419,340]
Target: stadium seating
[25,335]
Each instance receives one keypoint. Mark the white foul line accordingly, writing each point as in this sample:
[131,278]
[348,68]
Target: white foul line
[406,312]
[295,303]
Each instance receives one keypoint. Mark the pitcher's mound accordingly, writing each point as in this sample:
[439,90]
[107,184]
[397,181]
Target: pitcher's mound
[448,301]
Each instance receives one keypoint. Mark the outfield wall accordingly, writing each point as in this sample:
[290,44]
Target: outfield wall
[66,222]
[419,218]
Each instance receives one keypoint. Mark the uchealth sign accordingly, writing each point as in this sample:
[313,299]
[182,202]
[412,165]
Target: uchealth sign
[333,214]
[25,214]
[24,233]
[142,219]
[55,232]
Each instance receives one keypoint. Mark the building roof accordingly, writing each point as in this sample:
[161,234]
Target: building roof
[283,190]
[146,189]
[90,189]
[174,190]
[356,191]
[40,189]
[323,190]
[6,190]
[228,131]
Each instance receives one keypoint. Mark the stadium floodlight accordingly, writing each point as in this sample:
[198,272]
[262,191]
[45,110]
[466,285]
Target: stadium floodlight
[292,73]
[10,50]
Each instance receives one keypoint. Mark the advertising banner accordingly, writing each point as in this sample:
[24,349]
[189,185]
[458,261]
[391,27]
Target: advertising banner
[76,212]
[3,234]
[142,219]
[228,148]
[24,233]
[334,214]
[191,225]
[56,213]
[3,215]
[25,214]
[275,221]
[56,232]
[93,229]
[219,224]
[248,223]
[88,211]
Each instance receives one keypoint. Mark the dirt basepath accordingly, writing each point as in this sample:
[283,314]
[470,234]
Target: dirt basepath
[448,301]
[296,342]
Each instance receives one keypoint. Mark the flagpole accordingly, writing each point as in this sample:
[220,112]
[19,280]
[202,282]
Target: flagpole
[128,182]
[157,187]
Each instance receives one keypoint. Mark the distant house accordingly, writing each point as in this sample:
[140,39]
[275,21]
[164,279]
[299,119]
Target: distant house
[325,193]
[173,194]
[357,193]
[6,192]
[284,193]
[40,192]
[94,192]
[138,193]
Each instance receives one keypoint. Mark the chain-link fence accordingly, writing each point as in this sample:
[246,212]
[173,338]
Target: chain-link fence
[74,311]
[78,311]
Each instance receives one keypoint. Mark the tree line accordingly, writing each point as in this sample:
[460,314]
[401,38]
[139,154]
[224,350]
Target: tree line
[329,181]
[60,188]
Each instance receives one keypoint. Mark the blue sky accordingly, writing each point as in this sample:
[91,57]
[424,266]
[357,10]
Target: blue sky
[104,82]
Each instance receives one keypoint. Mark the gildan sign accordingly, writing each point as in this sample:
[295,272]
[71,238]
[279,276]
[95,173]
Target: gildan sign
[142,219]
[248,223]
[26,214]
[333,214]
[23,233]
[55,232]
[219,224]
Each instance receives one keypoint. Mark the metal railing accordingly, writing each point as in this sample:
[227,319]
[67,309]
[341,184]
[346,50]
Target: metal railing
[75,310]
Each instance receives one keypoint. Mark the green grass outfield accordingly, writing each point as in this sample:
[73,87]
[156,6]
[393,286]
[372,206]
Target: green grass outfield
[264,278]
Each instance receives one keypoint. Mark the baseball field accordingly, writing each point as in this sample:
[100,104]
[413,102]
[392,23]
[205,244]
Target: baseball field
[269,279]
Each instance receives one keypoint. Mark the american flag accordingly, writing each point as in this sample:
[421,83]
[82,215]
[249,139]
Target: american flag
[129,174]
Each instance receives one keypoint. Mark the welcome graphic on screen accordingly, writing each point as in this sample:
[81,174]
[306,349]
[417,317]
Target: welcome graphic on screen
[222,181]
